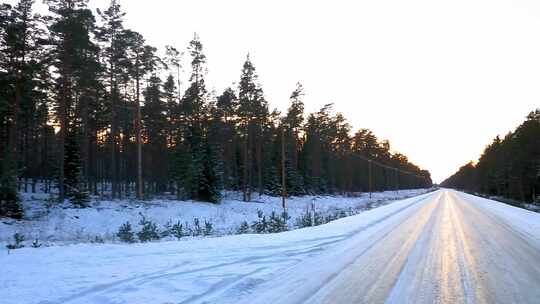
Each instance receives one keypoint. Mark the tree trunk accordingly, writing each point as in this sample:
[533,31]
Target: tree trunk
[138,139]
[62,141]
[13,131]
[114,127]
[259,163]
[283,173]
[245,169]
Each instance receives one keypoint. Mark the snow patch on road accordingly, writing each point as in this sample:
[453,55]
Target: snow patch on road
[519,219]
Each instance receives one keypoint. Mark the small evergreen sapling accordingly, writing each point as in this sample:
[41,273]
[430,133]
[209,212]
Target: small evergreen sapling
[177,230]
[125,233]
[260,225]
[167,230]
[197,229]
[304,220]
[19,239]
[285,216]
[149,231]
[208,228]
[243,229]
[278,223]
[318,218]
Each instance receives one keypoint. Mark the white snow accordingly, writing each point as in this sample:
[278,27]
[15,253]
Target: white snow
[233,268]
[521,220]
[65,225]
[185,271]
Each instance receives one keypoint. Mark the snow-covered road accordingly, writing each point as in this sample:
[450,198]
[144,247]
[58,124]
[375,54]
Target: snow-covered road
[451,250]
[440,247]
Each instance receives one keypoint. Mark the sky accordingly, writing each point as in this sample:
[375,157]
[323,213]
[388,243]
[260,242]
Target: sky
[439,79]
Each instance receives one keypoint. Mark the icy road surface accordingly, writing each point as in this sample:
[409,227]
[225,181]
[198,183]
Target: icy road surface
[442,247]
[452,248]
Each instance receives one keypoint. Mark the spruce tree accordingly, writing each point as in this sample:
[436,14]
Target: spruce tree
[155,130]
[197,158]
[293,124]
[253,115]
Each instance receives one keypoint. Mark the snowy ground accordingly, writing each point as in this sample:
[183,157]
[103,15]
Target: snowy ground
[186,271]
[444,247]
[64,225]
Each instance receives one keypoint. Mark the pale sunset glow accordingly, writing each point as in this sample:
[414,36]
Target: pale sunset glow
[438,79]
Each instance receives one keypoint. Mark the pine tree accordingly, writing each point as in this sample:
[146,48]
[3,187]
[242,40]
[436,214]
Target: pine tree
[173,60]
[110,33]
[508,167]
[70,35]
[172,110]
[21,60]
[142,60]
[103,88]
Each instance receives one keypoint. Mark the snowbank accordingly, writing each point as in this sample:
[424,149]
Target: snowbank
[65,225]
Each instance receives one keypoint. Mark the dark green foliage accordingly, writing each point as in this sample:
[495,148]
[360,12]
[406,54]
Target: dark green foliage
[319,219]
[125,233]
[183,171]
[336,215]
[243,229]
[178,231]
[167,230]
[10,203]
[80,198]
[72,174]
[155,129]
[210,180]
[260,225]
[309,219]
[304,220]
[74,55]
[19,239]
[91,77]
[273,224]
[197,230]
[278,223]
[72,166]
[208,228]
[149,230]
[509,167]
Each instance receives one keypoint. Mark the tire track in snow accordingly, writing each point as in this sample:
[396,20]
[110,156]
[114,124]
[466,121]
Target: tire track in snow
[286,257]
[297,287]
